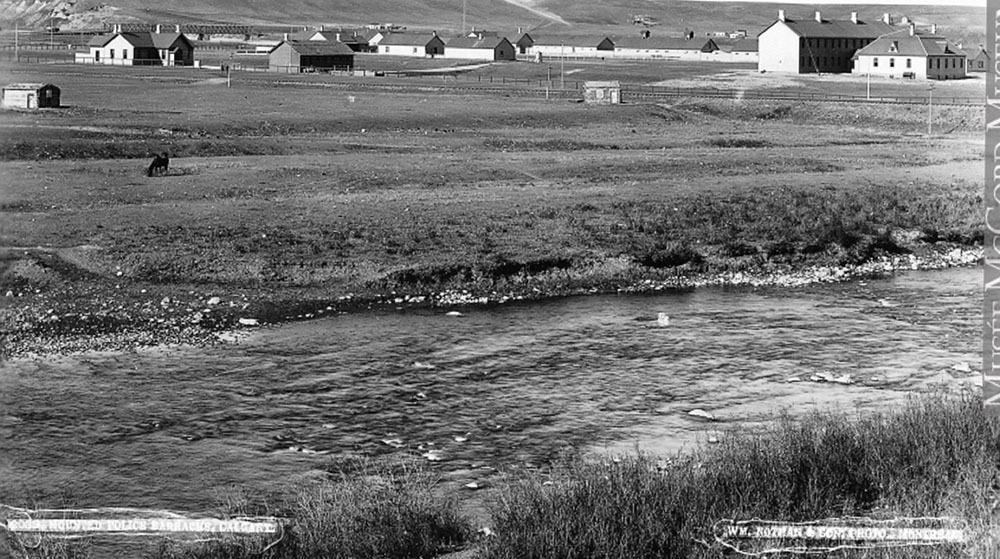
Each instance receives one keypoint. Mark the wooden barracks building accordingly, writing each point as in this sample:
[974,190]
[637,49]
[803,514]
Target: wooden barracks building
[817,44]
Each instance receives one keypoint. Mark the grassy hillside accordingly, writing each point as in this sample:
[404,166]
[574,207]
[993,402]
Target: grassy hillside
[509,15]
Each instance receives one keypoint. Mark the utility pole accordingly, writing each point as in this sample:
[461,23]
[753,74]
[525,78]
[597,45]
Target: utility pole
[548,82]
[868,91]
[463,16]
[562,66]
[16,55]
[930,101]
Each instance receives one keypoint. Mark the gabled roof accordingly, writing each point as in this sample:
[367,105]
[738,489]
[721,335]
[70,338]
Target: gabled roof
[901,43]
[405,39]
[541,39]
[317,48]
[665,43]
[834,28]
[745,45]
[311,35]
[976,53]
[485,42]
[27,86]
[141,39]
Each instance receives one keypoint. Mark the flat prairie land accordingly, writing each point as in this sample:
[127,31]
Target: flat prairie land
[306,194]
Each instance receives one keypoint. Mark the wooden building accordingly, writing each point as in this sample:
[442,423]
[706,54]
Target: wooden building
[817,44]
[909,54]
[140,48]
[976,60]
[305,56]
[648,46]
[411,44]
[569,46]
[602,92]
[30,96]
[480,47]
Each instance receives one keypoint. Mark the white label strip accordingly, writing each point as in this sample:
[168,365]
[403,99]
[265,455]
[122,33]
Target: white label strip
[194,525]
[846,533]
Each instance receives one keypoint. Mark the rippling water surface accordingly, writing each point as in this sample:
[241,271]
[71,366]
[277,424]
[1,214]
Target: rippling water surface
[514,384]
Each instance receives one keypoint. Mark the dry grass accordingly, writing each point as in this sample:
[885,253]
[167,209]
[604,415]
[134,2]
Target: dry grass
[937,456]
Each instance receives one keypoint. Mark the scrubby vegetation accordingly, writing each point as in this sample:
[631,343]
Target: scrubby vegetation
[936,457]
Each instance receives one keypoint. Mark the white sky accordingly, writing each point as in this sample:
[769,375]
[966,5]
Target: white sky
[973,3]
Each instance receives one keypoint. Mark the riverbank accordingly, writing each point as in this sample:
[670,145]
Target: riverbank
[930,464]
[305,205]
[122,318]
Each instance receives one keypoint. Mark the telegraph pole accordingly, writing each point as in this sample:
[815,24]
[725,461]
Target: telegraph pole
[930,101]
[562,66]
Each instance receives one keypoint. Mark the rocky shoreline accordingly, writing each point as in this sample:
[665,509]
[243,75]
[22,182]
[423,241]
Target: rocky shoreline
[45,324]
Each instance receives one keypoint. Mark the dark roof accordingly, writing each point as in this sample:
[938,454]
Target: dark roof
[567,40]
[901,43]
[307,35]
[487,42]
[142,39]
[101,39]
[318,48]
[745,45]
[27,86]
[835,28]
[407,39]
[976,53]
[664,43]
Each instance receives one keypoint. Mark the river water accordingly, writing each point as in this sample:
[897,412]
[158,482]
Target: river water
[499,387]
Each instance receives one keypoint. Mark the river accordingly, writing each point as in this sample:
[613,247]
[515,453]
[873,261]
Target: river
[498,387]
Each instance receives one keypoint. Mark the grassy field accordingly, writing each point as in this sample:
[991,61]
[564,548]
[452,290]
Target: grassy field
[284,199]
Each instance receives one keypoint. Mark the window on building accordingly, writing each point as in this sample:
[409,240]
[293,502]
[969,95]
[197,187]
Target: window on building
[112,53]
[892,62]
[909,63]
[124,54]
[894,47]
[875,62]
[937,63]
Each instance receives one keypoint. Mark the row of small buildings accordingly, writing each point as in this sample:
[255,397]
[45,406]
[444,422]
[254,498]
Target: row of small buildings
[811,45]
[336,49]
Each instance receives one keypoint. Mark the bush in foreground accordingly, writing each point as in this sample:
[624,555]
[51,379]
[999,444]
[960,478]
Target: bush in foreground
[936,456]
[386,514]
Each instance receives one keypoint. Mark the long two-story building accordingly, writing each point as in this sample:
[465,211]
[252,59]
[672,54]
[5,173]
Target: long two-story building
[816,45]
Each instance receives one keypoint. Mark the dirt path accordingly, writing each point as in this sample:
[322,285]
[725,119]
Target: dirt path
[526,5]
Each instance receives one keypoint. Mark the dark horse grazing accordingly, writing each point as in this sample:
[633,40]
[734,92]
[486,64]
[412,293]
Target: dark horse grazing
[159,163]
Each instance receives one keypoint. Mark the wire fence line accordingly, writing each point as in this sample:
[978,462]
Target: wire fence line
[468,82]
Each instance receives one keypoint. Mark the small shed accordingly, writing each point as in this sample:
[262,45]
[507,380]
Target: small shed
[602,93]
[30,96]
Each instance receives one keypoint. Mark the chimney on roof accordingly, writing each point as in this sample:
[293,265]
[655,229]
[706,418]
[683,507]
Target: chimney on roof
[913,29]
[519,31]
[177,29]
[933,29]
[854,17]
[157,28]
[887,18]
[118,28]
[781,15]
[819,17]
[284,37]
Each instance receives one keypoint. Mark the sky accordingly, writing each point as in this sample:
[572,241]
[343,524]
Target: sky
[974,3]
